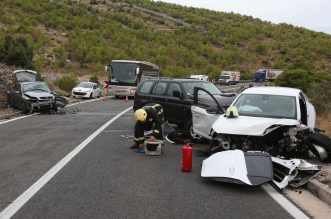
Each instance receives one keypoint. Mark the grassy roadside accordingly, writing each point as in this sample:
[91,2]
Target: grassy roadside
[324,122]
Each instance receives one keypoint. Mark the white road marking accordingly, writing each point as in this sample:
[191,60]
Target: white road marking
[21,117]
[282,201]
[17,204]
[73,104]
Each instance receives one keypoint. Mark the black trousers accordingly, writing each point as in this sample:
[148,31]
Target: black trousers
[139,129]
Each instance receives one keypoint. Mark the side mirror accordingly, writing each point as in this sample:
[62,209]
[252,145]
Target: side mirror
[137,71]
[176,93]
[106,68]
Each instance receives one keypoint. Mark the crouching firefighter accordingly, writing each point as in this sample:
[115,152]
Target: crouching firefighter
[149,117]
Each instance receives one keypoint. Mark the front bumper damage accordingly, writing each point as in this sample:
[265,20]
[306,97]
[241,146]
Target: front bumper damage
[255,168]
[53,104]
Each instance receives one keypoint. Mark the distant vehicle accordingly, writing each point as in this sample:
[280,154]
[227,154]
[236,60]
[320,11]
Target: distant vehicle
[264,75]
[125,75]
[30,95]
[229,77]
[200,77]
[86,90]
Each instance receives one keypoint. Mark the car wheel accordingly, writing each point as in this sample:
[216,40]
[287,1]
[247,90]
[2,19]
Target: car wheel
[91,95]
[189,131]
[99,95]
[28,108]
[323,141]
[117,97]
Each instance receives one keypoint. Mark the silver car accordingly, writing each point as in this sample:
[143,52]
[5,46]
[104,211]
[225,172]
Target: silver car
[30,95]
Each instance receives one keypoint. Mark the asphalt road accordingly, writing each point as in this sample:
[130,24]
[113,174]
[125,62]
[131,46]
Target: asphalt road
[106,179]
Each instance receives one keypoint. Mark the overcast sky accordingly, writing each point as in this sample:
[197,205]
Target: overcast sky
[311,14]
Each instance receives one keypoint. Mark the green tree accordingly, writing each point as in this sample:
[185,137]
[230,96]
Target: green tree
[66,83]
[299,78]
[320,96]
[16,51]
[95,79]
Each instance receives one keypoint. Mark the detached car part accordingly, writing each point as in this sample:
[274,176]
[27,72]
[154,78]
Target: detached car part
[294,172]
[236,166]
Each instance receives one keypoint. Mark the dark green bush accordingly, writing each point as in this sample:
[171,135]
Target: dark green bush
[320,96]
[95,79]
[16,51]
[66,83]
[295,78]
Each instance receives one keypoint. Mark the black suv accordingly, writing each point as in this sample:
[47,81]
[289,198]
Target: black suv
[176,97]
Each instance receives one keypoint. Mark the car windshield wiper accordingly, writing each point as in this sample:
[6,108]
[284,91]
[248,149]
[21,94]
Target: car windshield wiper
[36,89]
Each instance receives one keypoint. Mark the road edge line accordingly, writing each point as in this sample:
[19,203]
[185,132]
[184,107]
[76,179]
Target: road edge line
[18,203]
[284,202]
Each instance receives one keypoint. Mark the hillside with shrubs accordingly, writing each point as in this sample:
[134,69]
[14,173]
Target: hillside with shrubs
[79,37]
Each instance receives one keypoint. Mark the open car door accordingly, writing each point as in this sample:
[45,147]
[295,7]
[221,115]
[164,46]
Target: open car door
[25,75]
[205,111]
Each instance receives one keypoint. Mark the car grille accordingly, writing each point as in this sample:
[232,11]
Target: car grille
[46,98]
[79,93]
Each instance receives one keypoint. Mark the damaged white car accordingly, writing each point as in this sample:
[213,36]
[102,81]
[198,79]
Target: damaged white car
[276,120]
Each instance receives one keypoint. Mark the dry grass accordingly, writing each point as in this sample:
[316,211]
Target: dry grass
[324,122]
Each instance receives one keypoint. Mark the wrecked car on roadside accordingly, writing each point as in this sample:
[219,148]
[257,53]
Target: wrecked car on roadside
[276,120]
[30,95]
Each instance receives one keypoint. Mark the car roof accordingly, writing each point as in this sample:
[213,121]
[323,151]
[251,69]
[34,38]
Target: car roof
[177,80]
[86,82]
[286,91]
[32,82]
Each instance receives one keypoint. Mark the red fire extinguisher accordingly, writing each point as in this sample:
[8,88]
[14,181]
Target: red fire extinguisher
[187,157]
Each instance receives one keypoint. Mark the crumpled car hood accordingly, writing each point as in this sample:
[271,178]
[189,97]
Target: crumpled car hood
[247,125]
[39,94]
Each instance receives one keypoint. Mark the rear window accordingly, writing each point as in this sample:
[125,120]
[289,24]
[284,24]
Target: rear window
[146,87]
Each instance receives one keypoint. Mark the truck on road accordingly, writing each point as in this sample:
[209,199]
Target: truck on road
[264,75]
[229,77]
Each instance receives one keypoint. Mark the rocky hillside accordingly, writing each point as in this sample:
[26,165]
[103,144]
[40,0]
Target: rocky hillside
[80,36]
[6,83]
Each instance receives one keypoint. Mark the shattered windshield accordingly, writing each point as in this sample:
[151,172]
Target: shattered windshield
[123,73]
[189,87]
[270,106]
[38,86]
[85,85]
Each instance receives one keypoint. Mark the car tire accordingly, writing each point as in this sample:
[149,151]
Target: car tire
[323,141]
[91,95]
[189,131]
[28,108]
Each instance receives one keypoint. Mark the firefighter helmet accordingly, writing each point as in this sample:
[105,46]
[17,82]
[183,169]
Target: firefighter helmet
[232,112]
[140,115]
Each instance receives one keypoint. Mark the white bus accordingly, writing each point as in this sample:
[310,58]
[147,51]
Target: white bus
[125,75]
